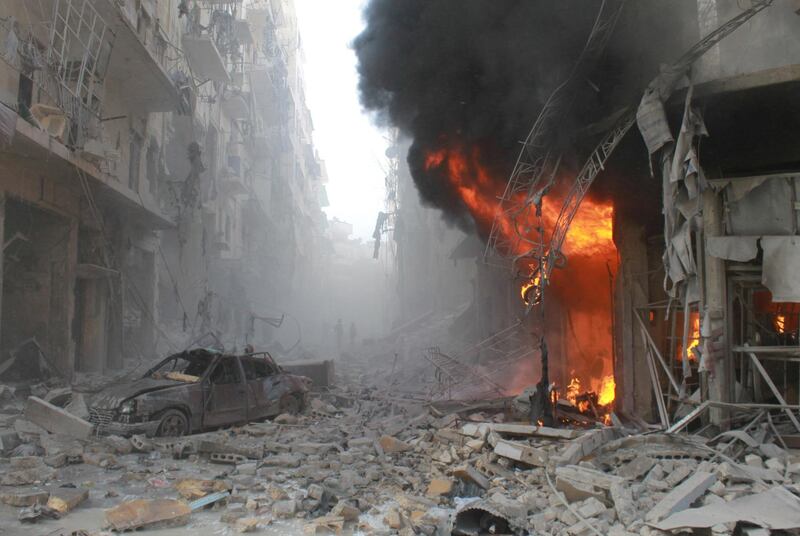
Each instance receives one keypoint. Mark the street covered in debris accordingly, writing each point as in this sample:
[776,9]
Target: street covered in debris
[419,267]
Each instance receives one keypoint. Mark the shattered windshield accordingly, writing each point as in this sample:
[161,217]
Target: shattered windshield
[187,368]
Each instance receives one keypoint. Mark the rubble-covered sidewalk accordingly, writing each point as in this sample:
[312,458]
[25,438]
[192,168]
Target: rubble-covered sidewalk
[360,460]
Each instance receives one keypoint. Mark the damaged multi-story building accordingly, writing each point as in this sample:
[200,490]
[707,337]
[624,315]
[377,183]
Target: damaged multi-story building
[159,181]
[649,241]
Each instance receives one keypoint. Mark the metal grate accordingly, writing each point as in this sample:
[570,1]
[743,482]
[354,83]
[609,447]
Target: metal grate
[100,418]
[80,49]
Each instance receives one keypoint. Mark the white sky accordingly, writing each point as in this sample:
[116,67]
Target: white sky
[352,147]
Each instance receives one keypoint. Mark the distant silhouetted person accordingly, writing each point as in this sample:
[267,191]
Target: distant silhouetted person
[353,334]
[339,330]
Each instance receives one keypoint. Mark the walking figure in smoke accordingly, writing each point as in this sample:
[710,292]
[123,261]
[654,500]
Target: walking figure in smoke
[339,330]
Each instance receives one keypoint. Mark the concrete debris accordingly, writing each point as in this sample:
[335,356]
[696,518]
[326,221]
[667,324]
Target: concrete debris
[355,461]
[141,513]
[191,489]
[56,420]
[64,500]
[24,498]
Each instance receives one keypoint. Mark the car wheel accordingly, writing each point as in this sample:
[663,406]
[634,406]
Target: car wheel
[173,423]
[291,405]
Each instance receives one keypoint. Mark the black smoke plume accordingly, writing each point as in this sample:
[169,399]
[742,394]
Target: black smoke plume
[478,71]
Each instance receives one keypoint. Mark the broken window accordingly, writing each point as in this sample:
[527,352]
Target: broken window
[226,372]
[256,369]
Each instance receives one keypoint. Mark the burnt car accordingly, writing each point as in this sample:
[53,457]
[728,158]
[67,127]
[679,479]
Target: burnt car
[196,390]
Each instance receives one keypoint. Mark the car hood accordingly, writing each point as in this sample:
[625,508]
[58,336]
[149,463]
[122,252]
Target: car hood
[111,397]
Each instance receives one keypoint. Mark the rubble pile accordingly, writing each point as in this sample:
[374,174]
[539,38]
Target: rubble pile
[358,460]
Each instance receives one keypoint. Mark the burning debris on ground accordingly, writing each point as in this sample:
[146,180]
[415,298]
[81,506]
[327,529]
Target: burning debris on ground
[575,314]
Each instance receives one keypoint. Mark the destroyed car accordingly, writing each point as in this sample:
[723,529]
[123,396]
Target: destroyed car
[196,390]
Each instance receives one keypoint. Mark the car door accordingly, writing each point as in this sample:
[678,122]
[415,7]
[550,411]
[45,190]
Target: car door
[226,394]
[263,385]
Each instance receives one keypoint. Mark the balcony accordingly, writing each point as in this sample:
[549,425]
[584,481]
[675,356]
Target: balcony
[136,60]
[204,58]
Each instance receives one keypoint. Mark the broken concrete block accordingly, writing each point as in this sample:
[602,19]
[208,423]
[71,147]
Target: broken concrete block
[591,507]
[682,496]
[57,460]
[191,489]
[284,508]
[468,473]
[393,519]
[575,491]
[775,464]
[521,453]
[276,493]
[391,445]
[753,460]
[588,476]
[625,507]
[64,500]
[120,445]
[346,511]
[678,475]
[9,440]
[636,468]
[26,477]
[285,418]
[247,524]
[24,498]
[56,420]
[439,487]
[325,525]
[104,460]
[315,491]
[25,462]
[143,513]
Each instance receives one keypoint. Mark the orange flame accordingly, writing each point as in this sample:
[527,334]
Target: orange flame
[590,232]
[607,392]
[694,338]
[780,323]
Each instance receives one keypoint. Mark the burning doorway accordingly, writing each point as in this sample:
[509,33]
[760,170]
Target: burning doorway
[577,316]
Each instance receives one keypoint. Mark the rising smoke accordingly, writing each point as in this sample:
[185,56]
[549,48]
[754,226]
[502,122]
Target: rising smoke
[470,71]
[476,72]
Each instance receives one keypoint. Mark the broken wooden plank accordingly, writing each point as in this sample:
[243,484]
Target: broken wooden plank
[682,496]
[521,453]
[56,420]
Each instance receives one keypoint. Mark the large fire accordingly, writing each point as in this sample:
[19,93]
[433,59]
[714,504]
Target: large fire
[580,288]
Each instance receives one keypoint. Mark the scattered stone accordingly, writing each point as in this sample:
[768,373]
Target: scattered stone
[391,445]
[284,508]
[285,418]
[23,498]
[191,489]
[247,524]
[64,500]
[144,513]
[439,487]
[56,420]
[346,511]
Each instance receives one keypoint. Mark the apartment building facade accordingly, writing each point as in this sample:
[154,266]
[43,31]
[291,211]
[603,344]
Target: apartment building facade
[137,171]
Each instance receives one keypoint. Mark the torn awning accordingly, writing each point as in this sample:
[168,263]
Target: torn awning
[780,273]
[733,248]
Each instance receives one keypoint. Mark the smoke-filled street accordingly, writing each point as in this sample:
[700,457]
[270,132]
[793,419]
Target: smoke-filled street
[399,267]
